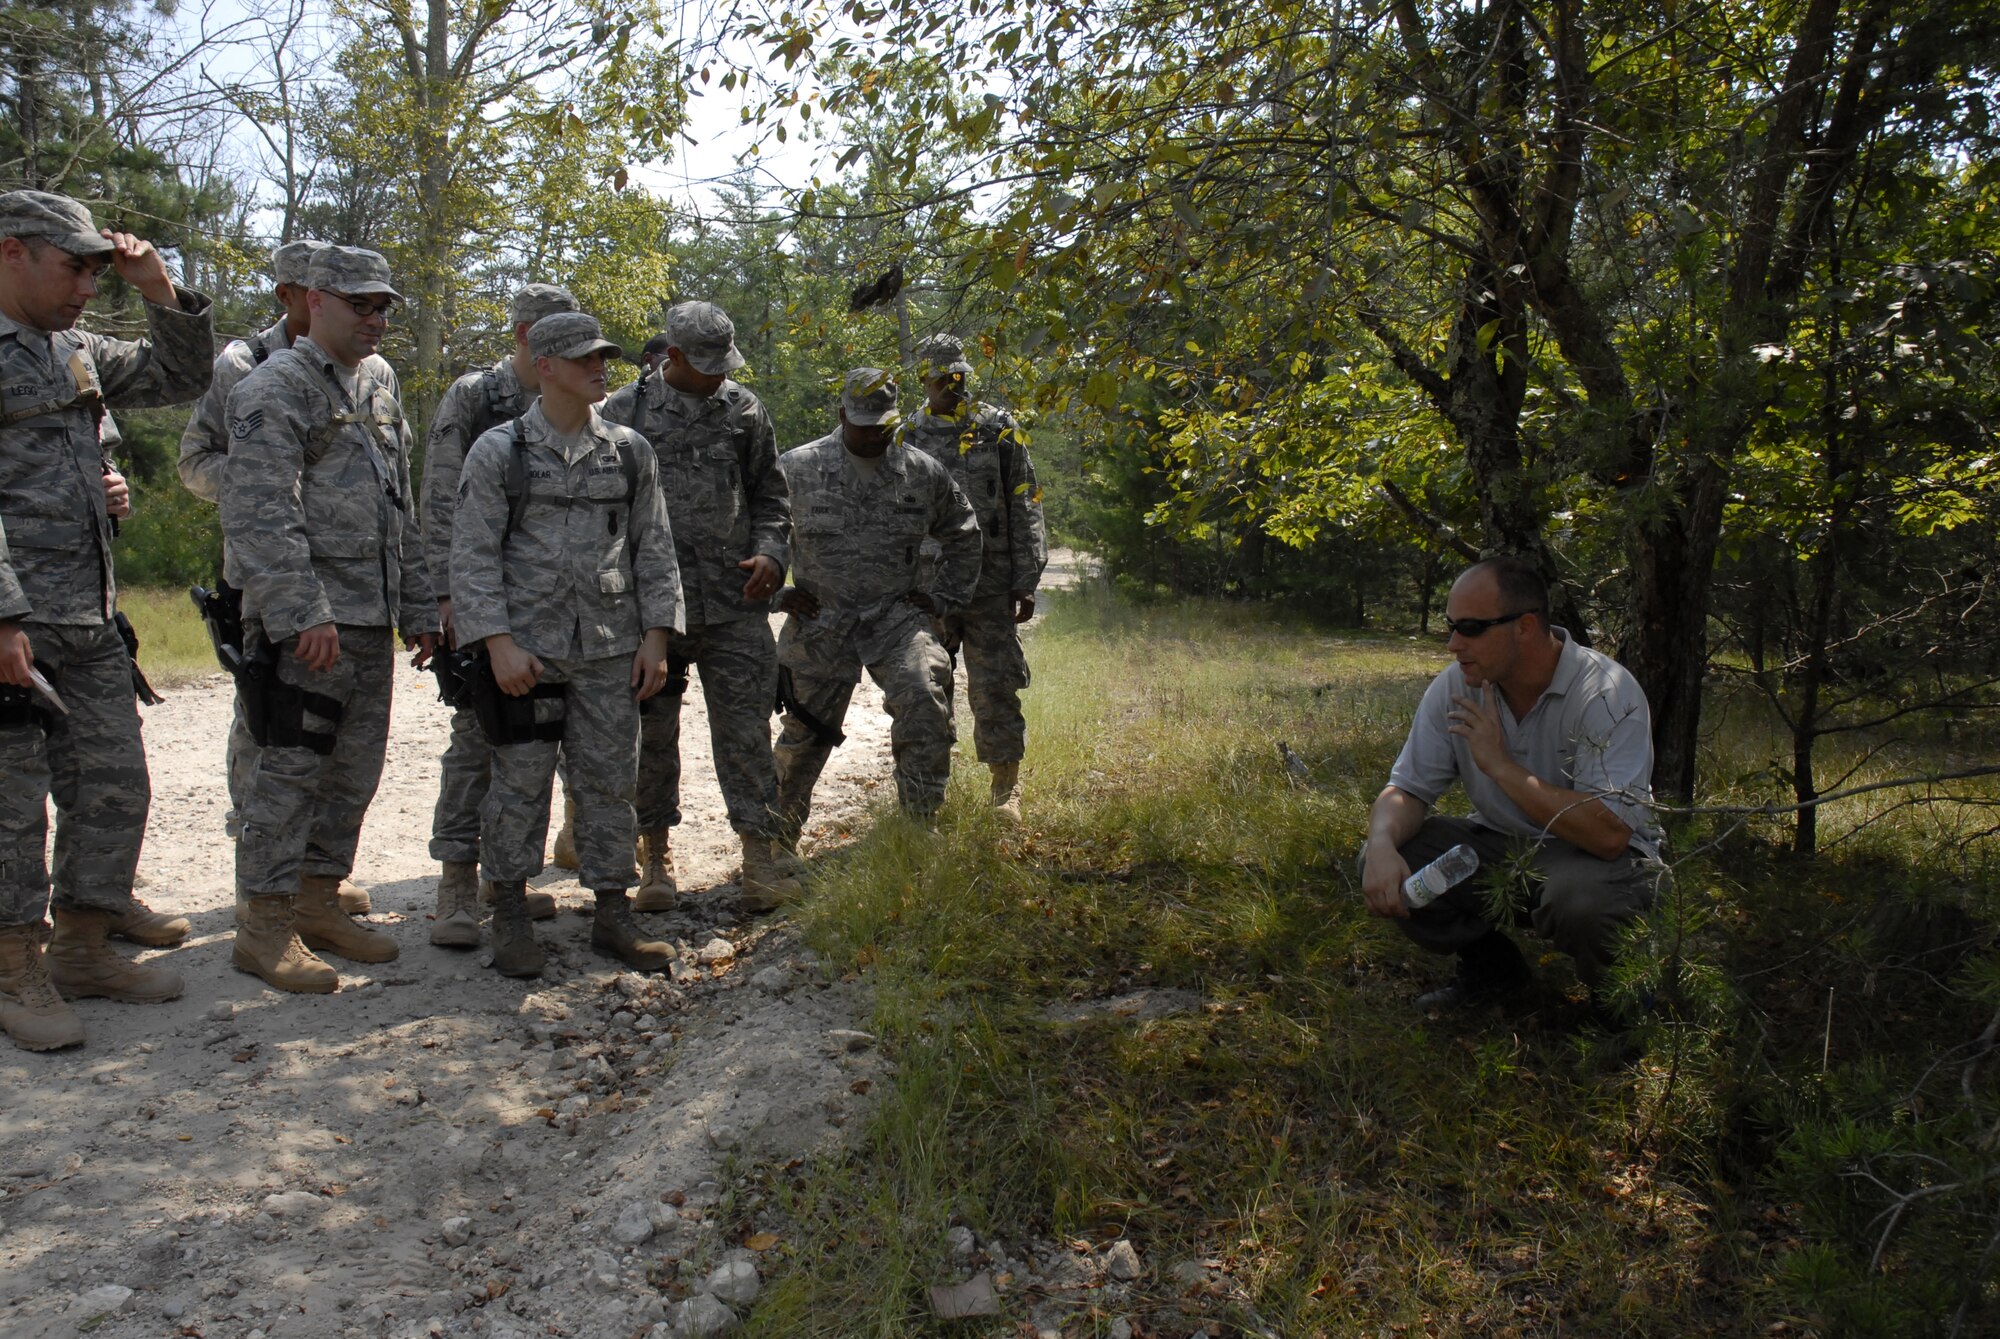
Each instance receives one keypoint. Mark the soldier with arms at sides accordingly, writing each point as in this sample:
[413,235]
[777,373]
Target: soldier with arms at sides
[732,524]
[205,454]
[474,405]
[317,517]
[987,454]
[562,565]
[862,508]
[58,600]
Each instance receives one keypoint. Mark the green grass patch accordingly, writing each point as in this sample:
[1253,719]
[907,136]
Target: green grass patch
[1351,1167]
[173,644]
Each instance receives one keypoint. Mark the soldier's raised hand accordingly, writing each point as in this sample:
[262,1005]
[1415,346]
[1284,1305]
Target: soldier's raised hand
[141,265]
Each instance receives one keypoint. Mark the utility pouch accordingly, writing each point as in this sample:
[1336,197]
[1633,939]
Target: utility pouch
[276,711]
[824,735]
[505,719]
[676,684]
[130,636]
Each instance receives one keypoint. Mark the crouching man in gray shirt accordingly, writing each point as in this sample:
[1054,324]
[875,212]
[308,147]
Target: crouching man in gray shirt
[1553,744]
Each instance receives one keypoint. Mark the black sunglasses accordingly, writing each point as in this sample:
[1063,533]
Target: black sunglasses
[1473,627]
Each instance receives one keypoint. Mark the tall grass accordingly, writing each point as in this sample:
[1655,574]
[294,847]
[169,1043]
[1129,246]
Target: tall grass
[1356,1168]
[173,645]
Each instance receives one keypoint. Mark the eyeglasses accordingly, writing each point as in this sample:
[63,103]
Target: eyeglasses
[363,308]
[1469,628]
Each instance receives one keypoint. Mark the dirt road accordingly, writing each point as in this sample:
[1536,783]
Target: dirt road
[434,1149]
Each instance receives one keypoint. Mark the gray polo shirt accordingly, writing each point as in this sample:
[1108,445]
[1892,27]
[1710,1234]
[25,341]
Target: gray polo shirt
[1590,731]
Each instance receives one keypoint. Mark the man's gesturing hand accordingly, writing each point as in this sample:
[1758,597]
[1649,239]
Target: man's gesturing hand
[1476,720]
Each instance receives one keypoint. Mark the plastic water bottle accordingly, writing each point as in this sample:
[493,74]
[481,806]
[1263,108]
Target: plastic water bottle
[1439,877]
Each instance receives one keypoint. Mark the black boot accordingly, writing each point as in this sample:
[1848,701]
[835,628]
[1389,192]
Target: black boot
[515,952]
[1490,968]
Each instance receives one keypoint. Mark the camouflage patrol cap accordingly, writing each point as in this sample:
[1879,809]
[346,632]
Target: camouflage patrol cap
[535,301]
[570,335]
[350,271]
[941,355]
[705,336]
[290,262]
[55,219]
[868,397]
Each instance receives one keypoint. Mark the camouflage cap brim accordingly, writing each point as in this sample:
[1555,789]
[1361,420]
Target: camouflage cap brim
[712,363]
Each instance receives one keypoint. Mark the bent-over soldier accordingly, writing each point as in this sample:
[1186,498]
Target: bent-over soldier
[473,405]
[862,507]
[987,454]
[726,502]
[562,565]
[317,517]
[58,600]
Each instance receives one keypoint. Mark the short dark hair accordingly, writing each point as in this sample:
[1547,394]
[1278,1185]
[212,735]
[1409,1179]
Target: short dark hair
[657,344]
[1522,589]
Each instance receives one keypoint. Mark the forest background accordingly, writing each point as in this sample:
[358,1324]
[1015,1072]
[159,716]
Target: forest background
[1303,305]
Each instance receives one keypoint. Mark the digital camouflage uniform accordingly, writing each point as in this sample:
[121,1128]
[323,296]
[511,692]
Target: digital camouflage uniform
[318,527]
[56,580]
[726,501]
[576,583]
[473,405]
[204,454]
[855,540]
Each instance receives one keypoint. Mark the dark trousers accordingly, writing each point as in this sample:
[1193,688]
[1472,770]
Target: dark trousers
[1575,900]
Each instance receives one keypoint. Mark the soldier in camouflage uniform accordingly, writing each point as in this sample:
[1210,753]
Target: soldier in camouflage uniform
[319,528]
[204,454]
[57,599]
[726,501]
[475,404]
[562,564]
[861,509]
[988,457]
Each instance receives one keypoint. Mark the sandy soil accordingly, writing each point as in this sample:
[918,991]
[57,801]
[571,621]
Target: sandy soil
[248,1162]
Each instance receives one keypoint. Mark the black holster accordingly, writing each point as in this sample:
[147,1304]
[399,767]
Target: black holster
[824,735]
[676,684]
[276,711]
[130,636]
[505,719]
[24,706]
[455,671]
[221,613]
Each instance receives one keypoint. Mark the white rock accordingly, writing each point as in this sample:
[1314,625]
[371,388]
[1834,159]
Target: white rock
[457,1230]
[771,980]
[683,971]
[104,1300]
[1121,1262]
[724,1137]
[649,1023]
[700,1317]
[847,1039]
[634,1226]
[221,1011]
[960,1243]
[631,985]
[291,1203]
[575,1104]
[735,1282]
[624,1018]
[1121,1328]
[716,950]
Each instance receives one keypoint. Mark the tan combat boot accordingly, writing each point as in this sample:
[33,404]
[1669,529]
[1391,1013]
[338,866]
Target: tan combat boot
[1007,790]
[30,1010]
[613,931]
[515,952]
[565,856]
[267,945]
[143,925]
[354,899]
[765,886]
[325,928]
[541,905]
[657,885]
[456,924]
[83,966]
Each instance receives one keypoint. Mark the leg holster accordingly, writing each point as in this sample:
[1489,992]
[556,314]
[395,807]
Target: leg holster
[276,711]
[505,719]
